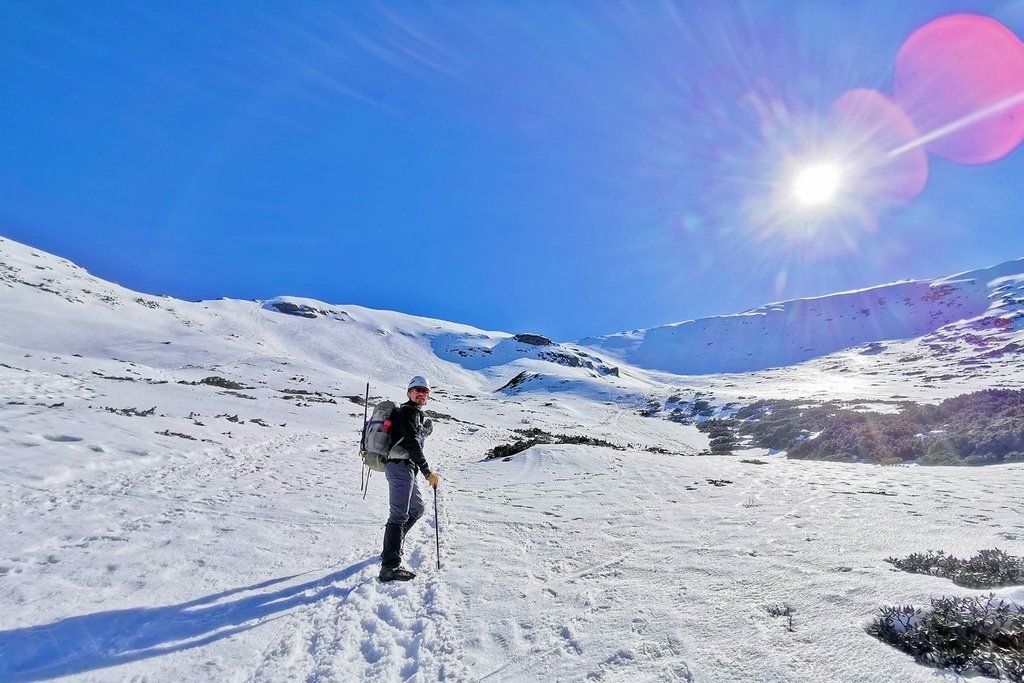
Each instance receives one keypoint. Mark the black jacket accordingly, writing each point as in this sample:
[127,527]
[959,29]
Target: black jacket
[407,435]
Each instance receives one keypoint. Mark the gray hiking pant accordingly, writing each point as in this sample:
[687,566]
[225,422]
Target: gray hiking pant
[406,501]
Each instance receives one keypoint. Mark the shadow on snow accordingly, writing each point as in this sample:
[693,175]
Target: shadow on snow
[94,641]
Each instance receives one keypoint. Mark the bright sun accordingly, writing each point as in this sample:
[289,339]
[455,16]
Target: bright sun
[817,185]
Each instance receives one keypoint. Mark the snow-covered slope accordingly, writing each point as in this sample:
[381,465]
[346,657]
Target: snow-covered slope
[971,315]
[43,298]
[180,500]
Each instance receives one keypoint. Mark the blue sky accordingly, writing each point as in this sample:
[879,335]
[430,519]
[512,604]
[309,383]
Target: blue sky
[565,168]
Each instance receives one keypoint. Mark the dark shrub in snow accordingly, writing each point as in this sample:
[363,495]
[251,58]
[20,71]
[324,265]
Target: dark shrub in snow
[983,428]
[983,634]
[987,569]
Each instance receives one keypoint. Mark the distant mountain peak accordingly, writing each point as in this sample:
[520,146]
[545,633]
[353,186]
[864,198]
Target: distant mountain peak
[790,332]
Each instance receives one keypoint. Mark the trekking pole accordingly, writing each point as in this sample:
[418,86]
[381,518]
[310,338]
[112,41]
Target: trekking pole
[362,443]
[437,531]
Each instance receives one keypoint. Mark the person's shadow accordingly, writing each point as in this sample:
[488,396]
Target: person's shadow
[102,639]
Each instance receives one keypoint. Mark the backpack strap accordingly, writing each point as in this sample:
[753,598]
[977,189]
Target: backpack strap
[393,416]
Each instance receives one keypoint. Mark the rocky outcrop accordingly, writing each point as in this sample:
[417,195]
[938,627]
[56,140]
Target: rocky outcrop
[533,340]
[295,309]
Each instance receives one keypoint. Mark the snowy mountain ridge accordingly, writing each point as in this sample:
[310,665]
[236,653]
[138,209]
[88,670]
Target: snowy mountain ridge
[46,293]
[931,338]
[791,332]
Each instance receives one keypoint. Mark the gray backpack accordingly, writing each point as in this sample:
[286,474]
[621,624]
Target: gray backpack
[377,436]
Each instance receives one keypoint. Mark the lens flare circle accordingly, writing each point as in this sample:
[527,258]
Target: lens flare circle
[876,142]
[817,184]
[960,78]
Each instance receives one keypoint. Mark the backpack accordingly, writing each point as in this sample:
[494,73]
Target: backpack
[377,436]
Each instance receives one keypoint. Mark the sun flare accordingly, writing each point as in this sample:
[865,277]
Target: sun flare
[817,185]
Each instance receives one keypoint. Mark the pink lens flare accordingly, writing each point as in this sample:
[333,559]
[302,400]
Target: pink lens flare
[876,134]
[960,78]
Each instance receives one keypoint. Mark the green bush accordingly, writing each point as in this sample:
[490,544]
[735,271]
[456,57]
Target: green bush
[539,436]
[509,449]
[716,428]
[982,634]
[988,569]
[940,452]
[722,445]
[986,427]
[703,408]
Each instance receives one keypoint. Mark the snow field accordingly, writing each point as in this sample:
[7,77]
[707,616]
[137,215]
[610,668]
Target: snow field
[255,558]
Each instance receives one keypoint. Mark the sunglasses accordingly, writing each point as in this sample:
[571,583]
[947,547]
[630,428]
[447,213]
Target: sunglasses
[420,390]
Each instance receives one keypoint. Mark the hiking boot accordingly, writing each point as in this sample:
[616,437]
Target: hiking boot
[392,553]
[395,574]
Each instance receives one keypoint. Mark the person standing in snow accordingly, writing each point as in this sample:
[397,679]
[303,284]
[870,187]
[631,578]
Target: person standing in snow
[409,429]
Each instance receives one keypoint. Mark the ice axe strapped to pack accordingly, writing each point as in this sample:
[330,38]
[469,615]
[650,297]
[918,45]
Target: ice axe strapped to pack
[375,442]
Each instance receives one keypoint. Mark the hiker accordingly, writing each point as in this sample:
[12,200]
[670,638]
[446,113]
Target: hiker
[408,430]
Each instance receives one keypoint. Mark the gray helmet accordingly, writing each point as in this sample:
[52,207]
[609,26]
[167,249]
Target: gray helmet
[419,381]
